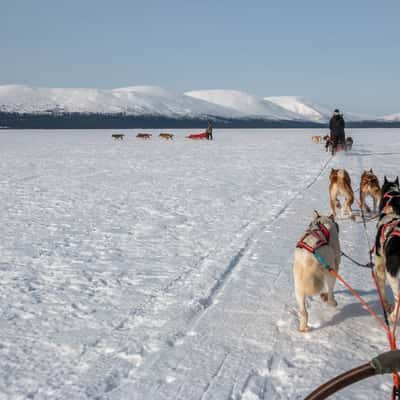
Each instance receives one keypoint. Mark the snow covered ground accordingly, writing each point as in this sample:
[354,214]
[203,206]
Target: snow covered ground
[163,270]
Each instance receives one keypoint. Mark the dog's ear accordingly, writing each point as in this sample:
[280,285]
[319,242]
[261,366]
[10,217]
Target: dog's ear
[370,170]
[332,217]
[315,215]
[384,179]
[397,181]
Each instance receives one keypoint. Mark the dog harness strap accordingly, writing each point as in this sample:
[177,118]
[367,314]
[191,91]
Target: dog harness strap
[389,230]
[321,260]
[314,238]
[390,196]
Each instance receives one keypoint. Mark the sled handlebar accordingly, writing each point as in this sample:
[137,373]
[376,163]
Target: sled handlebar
[386,363]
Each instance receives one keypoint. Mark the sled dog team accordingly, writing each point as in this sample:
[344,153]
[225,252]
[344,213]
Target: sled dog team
[318,253]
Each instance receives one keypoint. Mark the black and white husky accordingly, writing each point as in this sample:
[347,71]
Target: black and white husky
[388,188]
[387,243]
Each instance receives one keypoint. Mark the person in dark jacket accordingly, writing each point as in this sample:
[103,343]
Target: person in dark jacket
[209,130]
[336,127]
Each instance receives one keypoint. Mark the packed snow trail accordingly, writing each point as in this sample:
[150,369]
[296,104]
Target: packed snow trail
[162,270]
[247,346]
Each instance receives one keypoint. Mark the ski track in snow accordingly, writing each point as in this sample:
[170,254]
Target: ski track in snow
[163,270]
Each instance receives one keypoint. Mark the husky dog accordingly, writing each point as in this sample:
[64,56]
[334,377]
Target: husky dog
[317,139]
[369,185]
[387,188]
[310,275]
[340,185]
[349,143]
[167,136]
[144,135]
[387,250]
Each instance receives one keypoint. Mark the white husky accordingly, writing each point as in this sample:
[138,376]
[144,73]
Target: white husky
[310,275]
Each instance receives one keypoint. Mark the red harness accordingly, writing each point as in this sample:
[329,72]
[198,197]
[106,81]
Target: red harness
[389,230]
[320,233]
[390,196]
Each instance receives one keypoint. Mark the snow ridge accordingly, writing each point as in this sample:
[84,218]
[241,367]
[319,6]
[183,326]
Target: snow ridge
[159,102]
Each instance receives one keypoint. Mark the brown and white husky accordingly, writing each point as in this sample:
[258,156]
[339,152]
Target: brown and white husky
[340,185]
[369,186]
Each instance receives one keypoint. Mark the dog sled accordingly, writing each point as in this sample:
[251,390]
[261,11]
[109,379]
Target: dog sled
[198,136]
[386,363]
[335,146]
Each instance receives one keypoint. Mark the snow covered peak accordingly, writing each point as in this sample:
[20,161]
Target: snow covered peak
[135,100]
[247,104]
[391,118]
[301,106]
[160,102]
[310,111]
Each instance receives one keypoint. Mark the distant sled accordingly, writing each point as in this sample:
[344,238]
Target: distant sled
[198,136]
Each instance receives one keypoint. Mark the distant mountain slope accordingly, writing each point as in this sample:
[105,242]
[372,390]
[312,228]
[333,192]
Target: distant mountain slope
[136,100]
[301,106]
[391,118]
[246,104]
[25,106]
[311,111]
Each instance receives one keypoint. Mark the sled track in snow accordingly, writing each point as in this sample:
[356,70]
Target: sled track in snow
[208,301]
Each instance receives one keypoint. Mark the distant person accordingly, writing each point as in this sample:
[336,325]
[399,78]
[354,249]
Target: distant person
[209,130]
[336,127]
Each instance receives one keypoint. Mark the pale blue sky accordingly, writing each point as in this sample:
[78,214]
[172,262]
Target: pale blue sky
[340,53]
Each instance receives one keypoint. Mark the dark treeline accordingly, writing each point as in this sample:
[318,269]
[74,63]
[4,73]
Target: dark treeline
[122,121]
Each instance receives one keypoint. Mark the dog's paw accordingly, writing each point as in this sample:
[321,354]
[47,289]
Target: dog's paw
[332,303]
[324,297]
[389,307]
[304,329]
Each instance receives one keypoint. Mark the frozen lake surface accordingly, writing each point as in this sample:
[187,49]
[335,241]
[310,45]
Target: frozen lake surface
[163,269]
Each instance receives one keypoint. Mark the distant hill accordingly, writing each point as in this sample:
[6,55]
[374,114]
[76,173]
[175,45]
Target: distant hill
[27,107]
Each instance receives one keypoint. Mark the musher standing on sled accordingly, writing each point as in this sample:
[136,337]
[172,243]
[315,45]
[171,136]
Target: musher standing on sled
[336,127]
[209,130]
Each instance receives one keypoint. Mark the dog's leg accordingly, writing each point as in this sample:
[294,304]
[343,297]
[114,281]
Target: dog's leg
[330,281]
[375,204]
[380,272]
[367,208]
[362,199]
[333,204]
[301,301]
[394,285]
[347,206]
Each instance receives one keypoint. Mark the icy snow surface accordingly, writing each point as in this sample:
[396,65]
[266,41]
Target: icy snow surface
[163,270]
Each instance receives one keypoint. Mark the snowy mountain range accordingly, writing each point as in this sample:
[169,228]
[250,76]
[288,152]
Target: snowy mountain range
[158,102]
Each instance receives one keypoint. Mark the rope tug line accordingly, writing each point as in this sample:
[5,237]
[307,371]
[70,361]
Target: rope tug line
[365,370]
